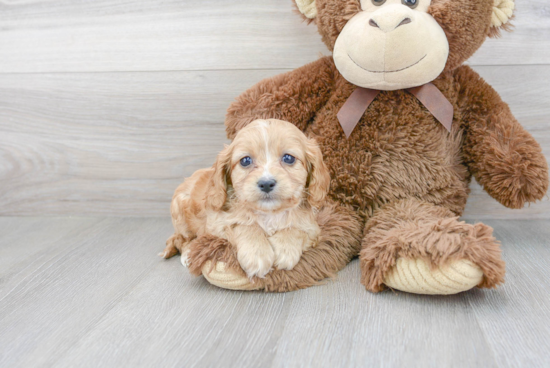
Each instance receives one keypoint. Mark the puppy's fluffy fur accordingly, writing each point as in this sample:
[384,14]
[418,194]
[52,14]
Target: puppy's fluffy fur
[267,228]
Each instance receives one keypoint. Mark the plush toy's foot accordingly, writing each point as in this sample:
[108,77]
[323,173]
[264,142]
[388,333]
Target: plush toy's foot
[424,249]
[339,243]
[224,278]
[417,277]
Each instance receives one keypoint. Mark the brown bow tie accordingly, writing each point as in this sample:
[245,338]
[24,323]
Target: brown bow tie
[429,95]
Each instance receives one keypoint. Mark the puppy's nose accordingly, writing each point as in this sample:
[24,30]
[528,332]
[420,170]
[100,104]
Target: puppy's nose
[267,185]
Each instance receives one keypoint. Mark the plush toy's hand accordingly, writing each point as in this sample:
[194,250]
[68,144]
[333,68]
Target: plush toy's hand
[503,157]
[510,166]
[519,179]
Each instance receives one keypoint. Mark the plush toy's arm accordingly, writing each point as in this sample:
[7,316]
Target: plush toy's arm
[503,157]
[294,97]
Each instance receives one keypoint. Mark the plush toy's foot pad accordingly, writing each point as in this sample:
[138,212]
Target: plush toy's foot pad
[221,277]
[417,277]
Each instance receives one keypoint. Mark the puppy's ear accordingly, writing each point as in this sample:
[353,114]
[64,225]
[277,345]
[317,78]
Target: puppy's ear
[318,174]
[216,194]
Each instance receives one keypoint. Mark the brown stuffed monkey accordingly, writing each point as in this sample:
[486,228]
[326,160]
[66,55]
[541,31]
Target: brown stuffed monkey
[403,126]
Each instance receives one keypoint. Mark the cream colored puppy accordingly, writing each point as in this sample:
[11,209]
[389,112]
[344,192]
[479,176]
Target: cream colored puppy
[261,195]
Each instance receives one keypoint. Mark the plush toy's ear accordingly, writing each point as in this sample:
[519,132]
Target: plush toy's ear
[307,8]
[503,11]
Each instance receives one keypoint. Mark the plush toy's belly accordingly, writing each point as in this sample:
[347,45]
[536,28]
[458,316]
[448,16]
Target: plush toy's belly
[398,150]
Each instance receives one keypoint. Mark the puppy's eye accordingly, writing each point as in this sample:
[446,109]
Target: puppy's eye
[289,159]
[378,2]
[410,3]
[246,161]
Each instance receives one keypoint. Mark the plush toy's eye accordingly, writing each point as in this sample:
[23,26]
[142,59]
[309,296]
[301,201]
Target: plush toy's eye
[378,2]
[246,161]
[289,159]
[411,3]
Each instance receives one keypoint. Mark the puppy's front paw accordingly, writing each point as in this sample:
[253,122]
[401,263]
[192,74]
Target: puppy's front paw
[256,260]
[185,258]
[288,250]
[287,258]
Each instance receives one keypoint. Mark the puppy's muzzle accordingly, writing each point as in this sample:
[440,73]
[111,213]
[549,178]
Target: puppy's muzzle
[267,186]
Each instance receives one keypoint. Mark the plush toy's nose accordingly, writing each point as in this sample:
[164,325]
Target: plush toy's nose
[373,23]
[267,185]
[389,19]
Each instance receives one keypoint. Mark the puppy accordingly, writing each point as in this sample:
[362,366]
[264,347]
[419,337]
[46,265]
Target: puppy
[261,195]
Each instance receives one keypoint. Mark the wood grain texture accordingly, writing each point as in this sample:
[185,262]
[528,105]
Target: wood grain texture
[82,143]
[523,304]
[26,246]
[119,143]
[77,276]
[139,35]
[93,294]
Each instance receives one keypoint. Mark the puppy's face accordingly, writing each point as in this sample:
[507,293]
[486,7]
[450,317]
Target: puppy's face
[273,166]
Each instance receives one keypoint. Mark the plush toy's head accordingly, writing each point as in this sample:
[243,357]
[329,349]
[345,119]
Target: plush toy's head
[397,44]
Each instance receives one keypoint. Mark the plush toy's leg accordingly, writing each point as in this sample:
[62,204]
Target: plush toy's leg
[340,241]
[424,249]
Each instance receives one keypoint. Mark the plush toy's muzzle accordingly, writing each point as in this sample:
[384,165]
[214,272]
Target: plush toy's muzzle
[389,35]
[391,47]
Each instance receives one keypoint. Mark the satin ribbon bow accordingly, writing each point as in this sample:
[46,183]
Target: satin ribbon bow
[429,95]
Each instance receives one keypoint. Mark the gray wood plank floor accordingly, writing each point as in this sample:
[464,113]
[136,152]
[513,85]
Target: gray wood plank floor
[91,292]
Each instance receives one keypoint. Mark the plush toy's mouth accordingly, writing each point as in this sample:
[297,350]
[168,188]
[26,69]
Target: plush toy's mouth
[387,71]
